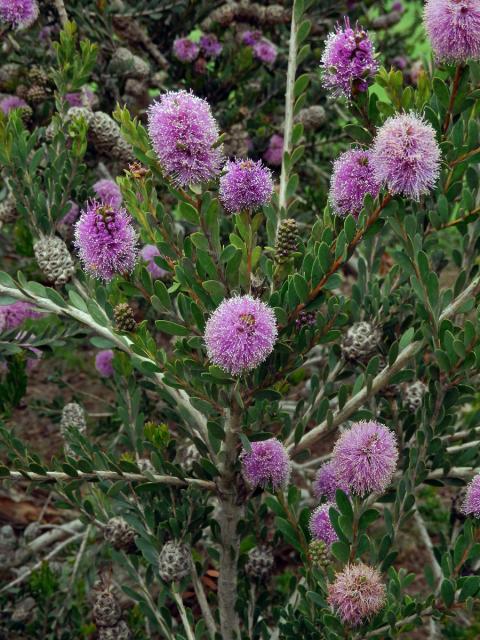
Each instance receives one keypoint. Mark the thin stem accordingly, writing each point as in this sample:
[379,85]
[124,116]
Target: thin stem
[453,95]
[95,476]
[183,613]
[62,13]
[203,602]
[289,107]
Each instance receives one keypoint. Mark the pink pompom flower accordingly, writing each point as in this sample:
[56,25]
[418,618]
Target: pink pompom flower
[453,27]
[327,482]
[265,51]
[352,179]
[104,363]
[266,464]
[471,504]
[274,154]
[245,186]
[321,526]
[105,240]
[406,155]
[108,192]
[12,315]
[12,102]
[240,334]
[149,253]
[348,60]
[357,593]
[19,13]
[183,132]
[365,457]
[185,49]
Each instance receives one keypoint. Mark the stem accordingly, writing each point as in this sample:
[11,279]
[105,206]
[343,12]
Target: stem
[289,106]
[203,602]
[62,13]
[335,266]
[183,613]
[230,513]
[382,379]
[456,84]
[94,476]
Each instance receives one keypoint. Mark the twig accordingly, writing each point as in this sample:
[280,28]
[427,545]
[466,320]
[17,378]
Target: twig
[62,12]
[382,379]
[289,106]
[453,95]
[425,537]
[95,476]
[203,602]
[183,613]
[36,566]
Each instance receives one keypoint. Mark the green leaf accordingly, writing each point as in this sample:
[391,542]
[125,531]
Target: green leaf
[189,213]
[172,328]
[301,84]
[447,591]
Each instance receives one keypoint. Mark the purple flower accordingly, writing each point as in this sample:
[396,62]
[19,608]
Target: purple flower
[210,45]
[12,315]
[274,154]
[357,594]
[320,526]
[20,13]
[104,363]
[78,98]
[471,504]
[352,179]
[105,240]
[365,457]
[149,253]
[327,482]
[453,27]
[265,51]
[406,155]
[240,334]
[185,49]
[251,37]
[71,216]
[398,6]
[267,463]
[246,185]
[183,133]
[348,60]
[12,102]
[108,192]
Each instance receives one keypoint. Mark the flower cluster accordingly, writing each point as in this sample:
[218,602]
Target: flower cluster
[12,102]
[245,185]
[320,525]
[266,464]
[365,457]
[357,593]
[184,133]
[471,504]
[406,155]
[12,315]
[327,481]
[352,178]
[106,240]
[348,60]
[240,334]
[186,50]
[148,254]
[108,192]
[274,154]
[104,363]
[19,13]
[453,27]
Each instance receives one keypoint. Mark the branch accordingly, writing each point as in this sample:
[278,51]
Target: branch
[383,378]
[203,602]
[95,476]
[289,106]
[183,613]
[62,13]
[425,538]
[178,396]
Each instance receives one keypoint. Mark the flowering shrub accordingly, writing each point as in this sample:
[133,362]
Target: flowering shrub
[255,386]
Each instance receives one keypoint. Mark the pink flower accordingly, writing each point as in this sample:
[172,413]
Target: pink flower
[183,132]
[320,525]
[246,185]
[104,363]
[185,49]
[240,334]
[109,192]
[19,13]
[406,155]
[265,51]
[357,594]
[453,27]
[365,457]
[471,504]
[149,253]
[327,482]
[274,154]
[267,463]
